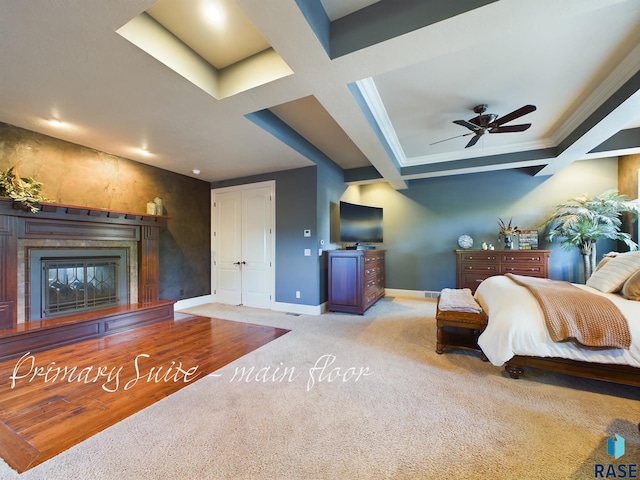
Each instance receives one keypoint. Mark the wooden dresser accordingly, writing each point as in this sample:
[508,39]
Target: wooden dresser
[356,279]
[473,266]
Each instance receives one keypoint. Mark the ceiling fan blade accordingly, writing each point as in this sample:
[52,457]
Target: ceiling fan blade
[510,128]
[513,115]
[469,125]
[473,141]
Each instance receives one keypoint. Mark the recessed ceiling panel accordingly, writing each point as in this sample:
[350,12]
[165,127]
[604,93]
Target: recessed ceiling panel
[217,30]
[307,117]
[512,66]
[211,43]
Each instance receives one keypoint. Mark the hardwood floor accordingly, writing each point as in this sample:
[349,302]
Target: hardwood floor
[52,400]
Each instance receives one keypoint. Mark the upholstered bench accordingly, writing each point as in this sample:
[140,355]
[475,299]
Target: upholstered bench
[459,328]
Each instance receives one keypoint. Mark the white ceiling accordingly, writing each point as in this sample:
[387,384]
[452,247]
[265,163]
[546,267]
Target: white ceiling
[578,61]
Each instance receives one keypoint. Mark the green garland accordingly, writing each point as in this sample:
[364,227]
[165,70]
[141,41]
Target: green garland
[24,191]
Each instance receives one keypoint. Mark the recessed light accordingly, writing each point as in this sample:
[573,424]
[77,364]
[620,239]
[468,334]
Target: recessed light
[213,14]
[54,122]
[143,151]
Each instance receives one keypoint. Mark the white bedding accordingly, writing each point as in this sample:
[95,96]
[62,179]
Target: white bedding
[517,326]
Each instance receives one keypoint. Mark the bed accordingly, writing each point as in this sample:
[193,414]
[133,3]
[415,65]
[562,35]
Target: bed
[518,336]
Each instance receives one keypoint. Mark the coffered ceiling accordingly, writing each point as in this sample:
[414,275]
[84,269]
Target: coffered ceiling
[255,86]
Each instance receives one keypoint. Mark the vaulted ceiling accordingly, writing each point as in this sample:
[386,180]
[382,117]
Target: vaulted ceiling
[255,86]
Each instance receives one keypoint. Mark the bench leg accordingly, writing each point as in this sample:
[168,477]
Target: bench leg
[514,371]
[439,339]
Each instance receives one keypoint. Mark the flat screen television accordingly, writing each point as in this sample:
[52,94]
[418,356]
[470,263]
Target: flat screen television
[360,223]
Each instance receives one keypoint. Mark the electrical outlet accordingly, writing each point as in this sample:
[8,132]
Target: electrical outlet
[307,252]
[297,293]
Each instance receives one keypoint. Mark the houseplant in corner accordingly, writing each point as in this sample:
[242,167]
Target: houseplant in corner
[24,191]
[581,221]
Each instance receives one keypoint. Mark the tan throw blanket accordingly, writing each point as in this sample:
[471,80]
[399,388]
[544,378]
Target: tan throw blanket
[572,313]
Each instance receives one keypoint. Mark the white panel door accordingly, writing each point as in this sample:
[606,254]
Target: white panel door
[256,247]
[227,236]
[243,250]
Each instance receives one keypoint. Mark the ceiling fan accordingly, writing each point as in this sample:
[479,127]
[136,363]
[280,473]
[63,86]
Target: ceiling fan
[491,123]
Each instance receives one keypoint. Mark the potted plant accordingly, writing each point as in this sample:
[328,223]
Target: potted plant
[24,191]
[581,221]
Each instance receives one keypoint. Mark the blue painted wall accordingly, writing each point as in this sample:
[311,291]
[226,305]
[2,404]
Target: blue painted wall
[296,211]
[422,223]
[331,186]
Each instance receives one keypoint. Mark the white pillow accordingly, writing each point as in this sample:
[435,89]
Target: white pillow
[610,277]
[602,262]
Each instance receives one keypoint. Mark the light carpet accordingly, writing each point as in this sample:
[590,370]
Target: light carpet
[361,397]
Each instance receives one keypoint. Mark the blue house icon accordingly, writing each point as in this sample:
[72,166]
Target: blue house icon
[615,446]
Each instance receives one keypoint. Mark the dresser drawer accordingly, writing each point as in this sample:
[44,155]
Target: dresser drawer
[480,268]
[472,280]
[523,269]
[475,257]
[529,259]
[371,273]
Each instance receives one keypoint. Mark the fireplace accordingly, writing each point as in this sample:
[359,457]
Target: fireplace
[78,248]
[66,281]
[58,227]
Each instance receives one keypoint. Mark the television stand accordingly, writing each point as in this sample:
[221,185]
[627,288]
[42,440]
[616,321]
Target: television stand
[356,280]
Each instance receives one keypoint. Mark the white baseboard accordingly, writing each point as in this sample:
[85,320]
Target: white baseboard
[275,306]
[192,302]
[299,309]
[397,292]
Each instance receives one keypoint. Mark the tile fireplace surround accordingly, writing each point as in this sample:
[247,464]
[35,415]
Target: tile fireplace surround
[67,225]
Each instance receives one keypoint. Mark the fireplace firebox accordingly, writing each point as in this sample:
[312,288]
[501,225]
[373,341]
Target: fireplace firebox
[73,281]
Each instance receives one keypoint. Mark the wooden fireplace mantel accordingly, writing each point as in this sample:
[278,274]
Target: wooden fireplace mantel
[61,211]
[64,222]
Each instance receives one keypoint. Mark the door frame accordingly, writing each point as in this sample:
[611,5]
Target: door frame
[248,186]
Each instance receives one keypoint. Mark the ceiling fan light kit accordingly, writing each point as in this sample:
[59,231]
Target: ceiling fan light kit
[491,123]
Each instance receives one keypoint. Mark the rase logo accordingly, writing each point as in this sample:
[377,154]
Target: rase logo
[615,448]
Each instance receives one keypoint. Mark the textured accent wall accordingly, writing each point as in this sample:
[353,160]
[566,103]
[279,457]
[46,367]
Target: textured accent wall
[76,175]
[628,167]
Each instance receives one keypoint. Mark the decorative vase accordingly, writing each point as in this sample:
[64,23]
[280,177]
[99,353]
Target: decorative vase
[507,242]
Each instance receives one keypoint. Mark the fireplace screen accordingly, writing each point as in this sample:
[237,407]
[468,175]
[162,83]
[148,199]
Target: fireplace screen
[79,284]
